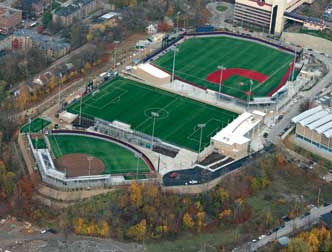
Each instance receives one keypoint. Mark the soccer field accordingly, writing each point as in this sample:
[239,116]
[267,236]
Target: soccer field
[132,103]
[117,160]
[197,58]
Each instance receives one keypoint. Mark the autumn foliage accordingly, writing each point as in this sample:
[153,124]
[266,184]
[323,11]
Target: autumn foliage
[315,240]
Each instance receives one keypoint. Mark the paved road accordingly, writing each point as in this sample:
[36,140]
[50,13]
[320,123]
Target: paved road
[298,223]
[292,110]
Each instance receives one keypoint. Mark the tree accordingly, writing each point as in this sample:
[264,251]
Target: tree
[298,245]
[138,231]
[135,194]
[200,220]
[7,183]
[305,105]
[254,184]
[47,18]
[132,3]
[170,10]
[24,97]
[104,229]
[187,220]
[78,225]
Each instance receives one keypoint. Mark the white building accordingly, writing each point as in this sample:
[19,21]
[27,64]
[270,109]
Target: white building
[234,140]
[270,15]
[315,127]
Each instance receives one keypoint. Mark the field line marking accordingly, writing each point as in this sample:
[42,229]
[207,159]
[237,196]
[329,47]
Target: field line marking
[143,122]
[269,76]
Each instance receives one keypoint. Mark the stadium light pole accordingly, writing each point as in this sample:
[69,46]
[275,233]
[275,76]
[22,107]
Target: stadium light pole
[221,68]
[249,95]
[293,72]
[154,116]
[90,158]
[30,125]
[177,20]
[137,164]
[175,50]
[201,126]
[81,110]
[60,91]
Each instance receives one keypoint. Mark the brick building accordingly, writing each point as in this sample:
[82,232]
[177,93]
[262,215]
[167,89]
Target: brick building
[9,18]
[25,39]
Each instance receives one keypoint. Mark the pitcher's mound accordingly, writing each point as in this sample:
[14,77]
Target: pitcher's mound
[75,165]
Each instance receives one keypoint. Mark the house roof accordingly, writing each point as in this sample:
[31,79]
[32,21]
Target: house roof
[67,10]
[43,41]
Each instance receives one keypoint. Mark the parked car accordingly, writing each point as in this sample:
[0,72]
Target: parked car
[173,175]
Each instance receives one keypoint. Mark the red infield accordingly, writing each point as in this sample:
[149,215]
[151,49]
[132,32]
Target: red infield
[229,72]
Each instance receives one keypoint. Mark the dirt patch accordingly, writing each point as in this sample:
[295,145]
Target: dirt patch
[75,165]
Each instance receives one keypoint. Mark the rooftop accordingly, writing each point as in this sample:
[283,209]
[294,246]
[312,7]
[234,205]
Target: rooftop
[109,15]
[67,10]
[318,119]
[43,41]
[71,8]
[236,132]
[6,11]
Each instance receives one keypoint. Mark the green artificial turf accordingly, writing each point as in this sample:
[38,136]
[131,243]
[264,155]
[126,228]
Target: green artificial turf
[117,160]
[132,103]
[198,57]
[39,143]
[222,8]
[37,125]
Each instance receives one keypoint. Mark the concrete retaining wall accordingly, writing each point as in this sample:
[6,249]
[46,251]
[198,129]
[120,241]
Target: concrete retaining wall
[308,41]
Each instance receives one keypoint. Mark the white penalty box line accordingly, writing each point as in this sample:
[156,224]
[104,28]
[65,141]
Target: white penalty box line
[105,94]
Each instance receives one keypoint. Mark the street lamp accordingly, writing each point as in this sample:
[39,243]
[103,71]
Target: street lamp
[221,68]
[154,116]
[201,126]
[175,50]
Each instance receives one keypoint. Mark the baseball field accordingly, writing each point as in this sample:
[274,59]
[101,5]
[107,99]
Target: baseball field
[135,104]
[198,59]
[115,158]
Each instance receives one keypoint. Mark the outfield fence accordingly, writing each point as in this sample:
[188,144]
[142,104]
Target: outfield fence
[248,37]
[242,102]
[55,178]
